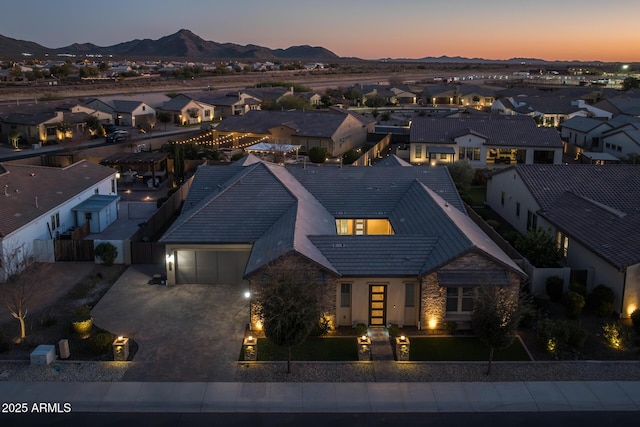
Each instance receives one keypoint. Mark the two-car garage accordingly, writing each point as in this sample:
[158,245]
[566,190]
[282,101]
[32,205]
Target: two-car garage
[222,264]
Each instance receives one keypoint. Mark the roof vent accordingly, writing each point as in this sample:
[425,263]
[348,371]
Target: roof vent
[337,245]
[32,174]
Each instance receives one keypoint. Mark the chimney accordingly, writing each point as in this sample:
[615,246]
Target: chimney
[6,187]
[37,207]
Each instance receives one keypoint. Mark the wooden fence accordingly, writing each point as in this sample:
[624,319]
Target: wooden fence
[74,250]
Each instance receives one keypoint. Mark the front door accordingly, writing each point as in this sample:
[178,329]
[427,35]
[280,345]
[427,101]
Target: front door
[377,305]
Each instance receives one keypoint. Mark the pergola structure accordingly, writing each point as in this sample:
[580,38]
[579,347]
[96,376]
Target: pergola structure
[271,148]
[154,162]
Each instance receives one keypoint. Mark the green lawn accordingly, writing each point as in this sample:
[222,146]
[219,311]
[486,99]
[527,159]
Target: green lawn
[462,349]
[312,349]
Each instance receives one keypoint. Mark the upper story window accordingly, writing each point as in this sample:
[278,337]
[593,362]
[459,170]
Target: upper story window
[361,227]
[563,244]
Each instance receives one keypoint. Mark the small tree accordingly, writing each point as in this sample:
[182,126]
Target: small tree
[462,174]
[317,154]
[14,137]
[20,285]
[495,317]
[540,248]
[289,302]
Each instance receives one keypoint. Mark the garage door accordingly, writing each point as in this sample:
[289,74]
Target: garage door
[210,267]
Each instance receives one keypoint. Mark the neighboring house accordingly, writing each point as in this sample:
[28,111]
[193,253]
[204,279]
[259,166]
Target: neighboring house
[227,104]
[477,97]
[621,105]
[485,140]
[441,95]
[132,113]
[35,128]
[39,203]
[312,98]
[622,141]
[125,112]
[546,110]
[392,243]
[583,134]
[185,110]
[592,210]
[336,130]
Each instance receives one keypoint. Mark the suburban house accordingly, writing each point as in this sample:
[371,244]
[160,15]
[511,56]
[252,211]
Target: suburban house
[622,141]
[548,111]
[592,210]
[621,105]
[391,243]
[484,140]
[185,110]
[42,203]
[583,134]
[473,96]
[335,130]
[125,112]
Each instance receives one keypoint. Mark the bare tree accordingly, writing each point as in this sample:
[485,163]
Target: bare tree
[289,302]
[20,286]
[495,318]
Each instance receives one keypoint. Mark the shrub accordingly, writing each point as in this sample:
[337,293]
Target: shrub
[554,286]
[101,343]
[48,319]
[321,328]
[82,321]
[601,301]
[635,320]
[573,304]
[361,329]
[451,326]
[349,157]
[317,155]
[578,288]
[616,335]
[394,330]
[552,334]
[107,252]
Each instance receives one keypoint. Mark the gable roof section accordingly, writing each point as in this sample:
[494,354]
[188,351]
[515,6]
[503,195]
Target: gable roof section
[21,184]
[584,124]
[122,106]
[306,123]
[617,239]
[512,131]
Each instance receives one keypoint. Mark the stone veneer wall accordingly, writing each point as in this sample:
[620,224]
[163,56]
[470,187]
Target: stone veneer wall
[326,286]
[434,297]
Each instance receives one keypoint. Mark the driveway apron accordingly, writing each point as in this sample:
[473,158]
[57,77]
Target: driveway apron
[184,333]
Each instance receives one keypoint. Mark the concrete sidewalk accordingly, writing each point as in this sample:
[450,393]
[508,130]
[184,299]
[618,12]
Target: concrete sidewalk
[329,397]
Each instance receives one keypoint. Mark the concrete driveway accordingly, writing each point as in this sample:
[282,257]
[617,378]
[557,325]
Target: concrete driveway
[184,332]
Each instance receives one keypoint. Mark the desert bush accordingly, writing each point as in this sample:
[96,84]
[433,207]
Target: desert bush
[317,155]
[49,319]
[554,286]
[616,335]
[101,343]
[577,335]
[82,321]
[601,301]
[560,335]
[573,304]
[578,288]
[321,328]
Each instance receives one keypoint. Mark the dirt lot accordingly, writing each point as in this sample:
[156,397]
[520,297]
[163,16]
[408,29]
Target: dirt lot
[65,288]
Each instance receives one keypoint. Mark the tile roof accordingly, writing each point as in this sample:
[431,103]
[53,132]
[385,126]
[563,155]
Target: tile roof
[21,184]
[584,124]
[598,205]
[306,123]
[122,106]
[282,210]
[511,131]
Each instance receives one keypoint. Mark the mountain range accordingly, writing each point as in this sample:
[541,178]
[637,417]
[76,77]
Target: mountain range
[183,44]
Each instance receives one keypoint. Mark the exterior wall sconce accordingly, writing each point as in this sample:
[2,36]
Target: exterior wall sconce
[170,260]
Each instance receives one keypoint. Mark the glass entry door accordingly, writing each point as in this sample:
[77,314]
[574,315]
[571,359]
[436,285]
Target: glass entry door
[377,305]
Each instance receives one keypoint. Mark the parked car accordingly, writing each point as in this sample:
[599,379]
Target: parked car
[109,128]
[118,135]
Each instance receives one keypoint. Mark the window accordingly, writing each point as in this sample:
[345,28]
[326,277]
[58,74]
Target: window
[87,216]
[443,156]
[563,244]
[207,113]
[469,153]
[113,185]
[532,221]
[418,151]
[460,300]
[518,209]
[55,221]
[363,227]
[409,294]
[96,191]
[345,295]
[502,198]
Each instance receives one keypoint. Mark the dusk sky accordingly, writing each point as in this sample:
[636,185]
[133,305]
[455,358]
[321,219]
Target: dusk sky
[369,29]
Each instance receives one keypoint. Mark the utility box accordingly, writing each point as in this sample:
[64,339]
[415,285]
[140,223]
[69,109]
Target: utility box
[63,349]
[121,349]
[43,355]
